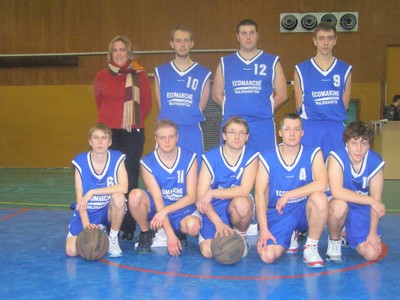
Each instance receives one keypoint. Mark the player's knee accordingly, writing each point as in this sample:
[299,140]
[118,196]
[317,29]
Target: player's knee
[241,206]
[370,254]
[267,257]
[118,200]
[135,198]
[70,250]
[319,201]
[205,249]
[337,209]
[193,226]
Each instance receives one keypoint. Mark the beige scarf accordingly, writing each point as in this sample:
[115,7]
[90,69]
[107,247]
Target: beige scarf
[131,113]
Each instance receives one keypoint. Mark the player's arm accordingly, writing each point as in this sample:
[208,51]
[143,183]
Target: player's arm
[319,183]
[262,199]
[376,189]
[298,93]
[120,187]
[280,88]
[79,195]
[218,92]
[347,92]
[157,92]
[336,180]
[205,95]
[151,183]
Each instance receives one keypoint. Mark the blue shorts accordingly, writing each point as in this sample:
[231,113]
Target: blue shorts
[208,229]
[262,134]
[191,138]
[98,216]
[358,225]
[294,217]
[174,218]
[325,134]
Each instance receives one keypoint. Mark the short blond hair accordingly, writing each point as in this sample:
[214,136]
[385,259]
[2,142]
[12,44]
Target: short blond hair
[125,40]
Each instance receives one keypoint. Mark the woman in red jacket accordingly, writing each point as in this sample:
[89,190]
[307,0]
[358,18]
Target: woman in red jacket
[123,99]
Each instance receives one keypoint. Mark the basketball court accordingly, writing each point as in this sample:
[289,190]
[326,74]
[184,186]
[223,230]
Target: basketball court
[34,215]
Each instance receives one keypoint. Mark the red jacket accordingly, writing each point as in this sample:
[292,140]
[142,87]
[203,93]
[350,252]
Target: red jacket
[109,93]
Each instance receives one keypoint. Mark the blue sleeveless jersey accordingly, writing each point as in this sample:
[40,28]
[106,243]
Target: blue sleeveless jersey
[172,181]
[222,173]
[249,86]
[358,182]
[180,92]
[322,91]
[92,180]
[284,178]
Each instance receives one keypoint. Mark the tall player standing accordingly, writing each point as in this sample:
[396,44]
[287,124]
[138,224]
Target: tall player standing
[251,84]
[182,89]
[322,87]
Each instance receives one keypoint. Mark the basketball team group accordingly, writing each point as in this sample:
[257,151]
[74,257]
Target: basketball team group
[321,174]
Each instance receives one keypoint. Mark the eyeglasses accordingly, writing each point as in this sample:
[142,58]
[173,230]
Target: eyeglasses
[235,133]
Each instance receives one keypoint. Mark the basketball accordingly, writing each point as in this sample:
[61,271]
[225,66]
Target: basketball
[92,244]
[227,249]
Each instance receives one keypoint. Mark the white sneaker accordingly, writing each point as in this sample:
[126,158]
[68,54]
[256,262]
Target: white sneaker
[246,244]
[252,230]
[294,244]
[334,251]
[113,248]
[160,239]
[311,256]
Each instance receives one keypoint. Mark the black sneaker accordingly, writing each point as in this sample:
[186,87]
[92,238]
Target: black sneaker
[127,236]
[182,238]
[145,241]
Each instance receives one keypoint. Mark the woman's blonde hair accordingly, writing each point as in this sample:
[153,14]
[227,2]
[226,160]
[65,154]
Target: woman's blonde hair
[125,40]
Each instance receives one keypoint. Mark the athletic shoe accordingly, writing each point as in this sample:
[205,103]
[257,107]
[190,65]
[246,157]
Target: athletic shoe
[113,249]
[252,230]
[145,241]
[294,244]
[311,256]
[182,238]
[246,244]
[159,239]
[334,251]
[127,236]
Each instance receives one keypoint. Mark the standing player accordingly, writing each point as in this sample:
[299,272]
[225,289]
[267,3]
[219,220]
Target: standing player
[170,174]
[101,182]
[182,90]
[356,183]
[250,83]
[290,195]
[226,178]
[322,87]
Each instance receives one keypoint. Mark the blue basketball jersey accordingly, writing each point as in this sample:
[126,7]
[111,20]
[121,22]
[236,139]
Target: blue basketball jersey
[284,178]
[322,91]
[180,92]
[172,181]
[222,173]
[249,86]
[358,182]
[91,180]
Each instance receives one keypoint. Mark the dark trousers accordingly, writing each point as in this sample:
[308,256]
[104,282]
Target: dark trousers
[130,143]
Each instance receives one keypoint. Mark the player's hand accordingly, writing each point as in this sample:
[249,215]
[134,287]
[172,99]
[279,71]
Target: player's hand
[174,245]
[223,230]
[158,219]
[379,208]
[281,203]
[202,202]
[91,226]
[265,235]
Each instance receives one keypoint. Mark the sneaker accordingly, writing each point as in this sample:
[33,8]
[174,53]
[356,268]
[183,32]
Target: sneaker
[311,256]
[182,238]
[334,251]
[159,239]
[145,241]
[113,249]
[294,244]
[246,244]
[127,236]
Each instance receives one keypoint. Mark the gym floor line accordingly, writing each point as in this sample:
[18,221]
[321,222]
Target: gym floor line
[34,265]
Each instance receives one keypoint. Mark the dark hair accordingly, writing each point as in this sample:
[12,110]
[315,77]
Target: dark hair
[356,130]
[324,26]
[246,22]
[292,116]
[235,120]
[396,98]
[181,28]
